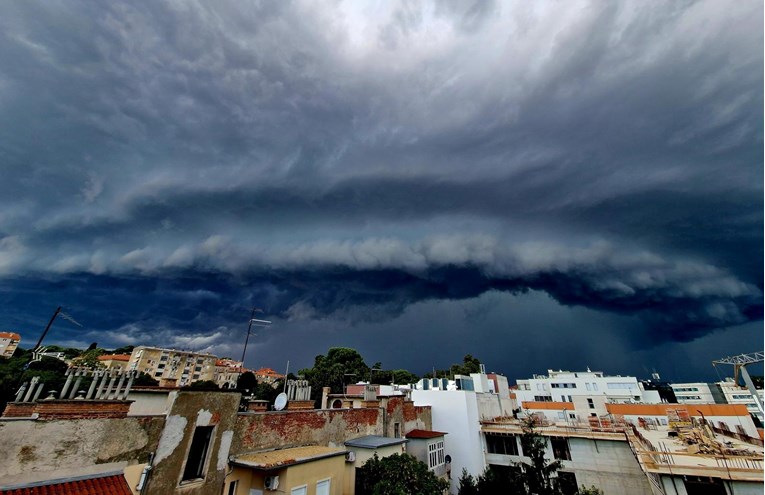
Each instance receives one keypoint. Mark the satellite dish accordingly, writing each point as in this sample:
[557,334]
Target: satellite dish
[280,402]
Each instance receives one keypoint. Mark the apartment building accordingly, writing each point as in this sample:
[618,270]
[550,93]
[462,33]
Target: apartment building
[9,341]
[227,373]
[736,394]
[173,367]
[698,393]
[588,392]
[115,361]
[642,449]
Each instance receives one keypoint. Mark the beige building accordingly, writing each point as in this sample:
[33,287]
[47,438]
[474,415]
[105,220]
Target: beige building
[227,373]
[173,367]
[115,361]
[9,341]
[311,470]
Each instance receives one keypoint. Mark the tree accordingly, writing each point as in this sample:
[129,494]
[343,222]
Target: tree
[467,484]
[397,474]
[536,477]
[89,359]
[208,385]
[340,366]
[127,349]
[145,379]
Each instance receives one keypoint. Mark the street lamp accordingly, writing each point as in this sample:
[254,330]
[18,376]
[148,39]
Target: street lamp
[260,323]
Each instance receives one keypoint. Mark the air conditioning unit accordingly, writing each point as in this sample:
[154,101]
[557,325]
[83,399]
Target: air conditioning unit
[350,456]
[271,482]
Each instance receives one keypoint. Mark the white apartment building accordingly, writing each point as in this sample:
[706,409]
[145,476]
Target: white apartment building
[172,367]
[698,393]
[459,413]
[735,394]
[587,392]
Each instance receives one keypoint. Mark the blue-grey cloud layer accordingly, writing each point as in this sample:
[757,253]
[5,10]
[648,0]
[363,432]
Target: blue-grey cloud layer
[166,164]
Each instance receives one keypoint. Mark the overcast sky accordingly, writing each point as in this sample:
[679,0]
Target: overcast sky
[540,184]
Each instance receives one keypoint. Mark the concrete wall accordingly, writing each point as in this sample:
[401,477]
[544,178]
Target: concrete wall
[190,410]
[151,402]
[363,455]
[307,474]
[674,485]
[609,465]
[32,447]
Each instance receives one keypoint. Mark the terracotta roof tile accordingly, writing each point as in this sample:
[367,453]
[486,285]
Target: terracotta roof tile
[114,357]
[10,335]
[424,434]
[104,485]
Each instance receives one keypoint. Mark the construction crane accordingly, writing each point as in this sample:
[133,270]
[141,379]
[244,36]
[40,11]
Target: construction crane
[739,363]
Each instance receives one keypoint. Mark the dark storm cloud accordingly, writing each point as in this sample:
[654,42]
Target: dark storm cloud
[177,162]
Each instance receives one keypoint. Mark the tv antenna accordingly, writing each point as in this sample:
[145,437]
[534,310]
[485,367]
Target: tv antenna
[253,321]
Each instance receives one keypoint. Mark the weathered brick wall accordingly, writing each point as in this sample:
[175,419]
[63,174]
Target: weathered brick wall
[257,431]
[69,409]
[19,409]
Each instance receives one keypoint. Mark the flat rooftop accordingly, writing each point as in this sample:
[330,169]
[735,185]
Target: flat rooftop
[280,458]
[374,442]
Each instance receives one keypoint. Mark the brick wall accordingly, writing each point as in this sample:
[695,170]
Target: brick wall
[19,409]
[69,409]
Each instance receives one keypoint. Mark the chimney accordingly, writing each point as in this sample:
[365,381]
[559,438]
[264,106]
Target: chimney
[325,397]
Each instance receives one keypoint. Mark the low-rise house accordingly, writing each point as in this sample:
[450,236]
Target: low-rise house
[9,341]
[314,470]
[114,361]
[428,446]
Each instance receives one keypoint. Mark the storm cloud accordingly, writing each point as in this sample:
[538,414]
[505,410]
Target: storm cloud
[165,166]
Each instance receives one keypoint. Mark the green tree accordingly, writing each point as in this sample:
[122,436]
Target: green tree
[127,349]
[339,367]
[208,385]
[397,474]
[89,359]
[467,484]
[144,379]
[537,477]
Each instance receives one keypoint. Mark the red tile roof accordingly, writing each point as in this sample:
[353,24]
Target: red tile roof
[10,335]
[114,357]
[424,434]
[105,485]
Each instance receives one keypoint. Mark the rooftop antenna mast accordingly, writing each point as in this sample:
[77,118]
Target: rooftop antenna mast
[57,313]
[260,323]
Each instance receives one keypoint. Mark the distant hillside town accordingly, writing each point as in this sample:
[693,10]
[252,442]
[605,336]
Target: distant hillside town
[152,420]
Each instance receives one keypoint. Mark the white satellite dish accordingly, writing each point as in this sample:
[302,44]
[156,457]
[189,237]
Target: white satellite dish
[280,402]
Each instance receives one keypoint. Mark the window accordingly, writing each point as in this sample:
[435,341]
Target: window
[589,387]
[542,398]
[300,490]
[323,487]
[590,403]
[595,386]
[560,448]
[396,430]
[501,444]
[569,399]
[435,454]
[232,487]
[200,446]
